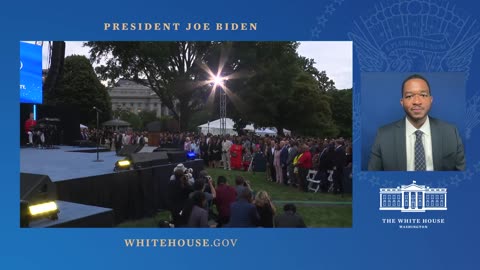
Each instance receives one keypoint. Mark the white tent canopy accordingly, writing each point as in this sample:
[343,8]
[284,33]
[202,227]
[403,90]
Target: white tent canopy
[213,127]
[83,126]
[265,131]
[286,132]
[249,128]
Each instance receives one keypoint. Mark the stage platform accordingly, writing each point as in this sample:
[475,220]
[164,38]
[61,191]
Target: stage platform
[132,194]
[64,163]
[74,215]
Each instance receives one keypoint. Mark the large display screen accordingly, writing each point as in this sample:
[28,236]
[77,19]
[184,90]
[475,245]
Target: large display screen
[30,73]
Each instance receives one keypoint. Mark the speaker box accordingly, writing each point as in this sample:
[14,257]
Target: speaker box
[177,156]
[171,145]
[130,149]
[166,149]
[37,188]
[145,160]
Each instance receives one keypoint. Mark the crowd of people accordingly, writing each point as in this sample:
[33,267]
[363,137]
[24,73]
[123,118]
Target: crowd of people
[191,204]
[287,160]
[113,139]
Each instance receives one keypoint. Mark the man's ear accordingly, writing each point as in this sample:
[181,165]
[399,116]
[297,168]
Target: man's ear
[401,102]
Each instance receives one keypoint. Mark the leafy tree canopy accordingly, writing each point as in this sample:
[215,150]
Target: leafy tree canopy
[79,86]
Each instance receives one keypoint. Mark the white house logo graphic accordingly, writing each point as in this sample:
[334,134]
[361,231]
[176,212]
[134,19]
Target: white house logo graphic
[413,198]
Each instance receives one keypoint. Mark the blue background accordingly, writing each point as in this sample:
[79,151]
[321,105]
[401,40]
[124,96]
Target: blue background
[31,73]
[381,96]
[369,244]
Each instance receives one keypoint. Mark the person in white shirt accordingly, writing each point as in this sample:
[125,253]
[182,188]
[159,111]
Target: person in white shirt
[226,145]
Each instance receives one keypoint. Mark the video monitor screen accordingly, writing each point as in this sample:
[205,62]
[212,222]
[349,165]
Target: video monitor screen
[30,73]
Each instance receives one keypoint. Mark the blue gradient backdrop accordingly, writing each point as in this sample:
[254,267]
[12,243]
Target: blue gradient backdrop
[388,36]
[381,102]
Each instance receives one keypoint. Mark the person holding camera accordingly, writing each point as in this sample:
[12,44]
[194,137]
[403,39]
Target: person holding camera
[265,209]
[225,196]
[243,213]
[241,184]
[194,214]
[200,185]
[178,193]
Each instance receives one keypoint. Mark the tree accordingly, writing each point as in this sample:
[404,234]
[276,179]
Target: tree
[80,86]
[137,121]
[128,116]
[282,89]
[173,70]
[341,104]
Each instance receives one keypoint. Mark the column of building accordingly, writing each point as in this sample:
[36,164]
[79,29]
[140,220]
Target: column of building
[445,199]
[381,200]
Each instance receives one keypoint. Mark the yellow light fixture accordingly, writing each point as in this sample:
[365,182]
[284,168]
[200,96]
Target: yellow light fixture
[124,163]
[43,209]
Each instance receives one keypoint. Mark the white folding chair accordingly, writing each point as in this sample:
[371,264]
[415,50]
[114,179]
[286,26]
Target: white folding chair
[330,180]
[313,185]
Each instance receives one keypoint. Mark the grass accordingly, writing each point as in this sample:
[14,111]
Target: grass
[276,191]
[318,210]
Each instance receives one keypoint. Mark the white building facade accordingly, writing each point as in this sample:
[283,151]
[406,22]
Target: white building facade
[134,97]
[413,198]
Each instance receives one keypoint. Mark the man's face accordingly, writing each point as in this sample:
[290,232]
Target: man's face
[416,100]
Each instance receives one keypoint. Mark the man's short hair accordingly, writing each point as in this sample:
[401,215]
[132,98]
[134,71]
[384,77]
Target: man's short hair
[416,76]
[199,184]
[290,207]
[239,180]
[203,173]
[221,180]
[246,194]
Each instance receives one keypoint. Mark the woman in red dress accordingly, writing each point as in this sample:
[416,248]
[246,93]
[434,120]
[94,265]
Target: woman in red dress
[236,155]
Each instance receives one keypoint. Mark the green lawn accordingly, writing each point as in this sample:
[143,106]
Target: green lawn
[317,209]
[276,191]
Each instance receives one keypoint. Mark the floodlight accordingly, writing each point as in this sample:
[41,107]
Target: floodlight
[218,80]
[37,211]
[123,164]
[43,209]
[191,155]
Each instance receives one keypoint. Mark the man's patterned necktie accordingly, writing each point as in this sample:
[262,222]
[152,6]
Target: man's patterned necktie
[420,163]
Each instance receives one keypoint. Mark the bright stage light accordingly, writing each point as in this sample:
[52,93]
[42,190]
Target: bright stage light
[124,164]
[218,80]
[43,209]
[191,155]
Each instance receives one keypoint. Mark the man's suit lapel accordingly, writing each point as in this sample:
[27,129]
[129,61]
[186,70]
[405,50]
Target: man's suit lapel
[436,134]
[400,146]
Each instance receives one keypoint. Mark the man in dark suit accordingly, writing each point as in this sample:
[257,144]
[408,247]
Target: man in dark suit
[292,153]
[242,212]
[270,153]
[339,160]
[283,160]
[418,142]
[118,139]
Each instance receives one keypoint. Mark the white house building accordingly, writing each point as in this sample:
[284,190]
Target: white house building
[134,97]
[413,198]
